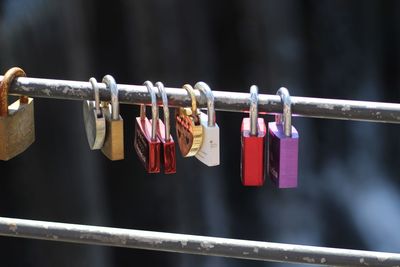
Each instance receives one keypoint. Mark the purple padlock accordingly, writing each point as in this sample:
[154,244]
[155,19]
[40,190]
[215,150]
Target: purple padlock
[283,146]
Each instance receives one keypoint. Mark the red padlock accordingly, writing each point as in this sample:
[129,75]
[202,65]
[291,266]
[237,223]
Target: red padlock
[253,144]
[147,144]
[164,135]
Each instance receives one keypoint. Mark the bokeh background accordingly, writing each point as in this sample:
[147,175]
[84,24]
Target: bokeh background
[349,192]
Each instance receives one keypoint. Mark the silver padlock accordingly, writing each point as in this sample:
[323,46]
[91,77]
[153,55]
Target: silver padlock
[95,123]
[209,150]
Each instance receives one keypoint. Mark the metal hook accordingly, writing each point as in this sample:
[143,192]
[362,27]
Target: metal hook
[163,94]
[8,78]
[206,90]
[95,87]
[253,110]
[287,111]
[192,95]
[112,86]
[154,109]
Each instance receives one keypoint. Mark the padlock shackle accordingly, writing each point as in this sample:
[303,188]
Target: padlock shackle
[112,86]
[154,109]
[253,110]
[163,94]
[207,92]
[287,111]
[192,95]
[8,78]
[95,87]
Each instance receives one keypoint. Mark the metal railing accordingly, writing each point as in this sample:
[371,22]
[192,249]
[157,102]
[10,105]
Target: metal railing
[224,100]
[233,248]
[194,244]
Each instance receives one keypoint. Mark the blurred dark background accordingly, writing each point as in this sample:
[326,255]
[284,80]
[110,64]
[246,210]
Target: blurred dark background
[349,192]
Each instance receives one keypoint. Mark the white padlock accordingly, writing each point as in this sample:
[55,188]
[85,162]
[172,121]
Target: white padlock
[209,150]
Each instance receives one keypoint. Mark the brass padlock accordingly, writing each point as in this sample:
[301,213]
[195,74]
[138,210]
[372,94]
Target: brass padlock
[17,122]
[113,147]
[188,127]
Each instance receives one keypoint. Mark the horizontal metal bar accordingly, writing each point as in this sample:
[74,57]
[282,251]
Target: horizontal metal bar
[193,244]
[225,101]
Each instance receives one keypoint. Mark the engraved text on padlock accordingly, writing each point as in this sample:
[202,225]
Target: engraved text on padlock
[147,150]
[282,156]
[209,150]
[189,134]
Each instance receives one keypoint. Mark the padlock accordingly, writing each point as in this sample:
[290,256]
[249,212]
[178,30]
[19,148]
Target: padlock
[95,123]
[164,135]
[146,142]
[17,122]
[188,128]
[113,147]
[253,144]
[283,146]
[209,149]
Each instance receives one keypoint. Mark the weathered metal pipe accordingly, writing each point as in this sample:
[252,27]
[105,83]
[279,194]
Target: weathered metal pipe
[224,100]
[192,244]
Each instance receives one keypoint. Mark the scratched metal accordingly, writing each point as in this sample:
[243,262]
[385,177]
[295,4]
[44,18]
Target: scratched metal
[192,244]
[226,101]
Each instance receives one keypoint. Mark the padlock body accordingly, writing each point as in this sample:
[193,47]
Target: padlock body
[113,146]
[189,132]
[209,149]
[168,149]
[17,130]
[282,156]
[253,154]
[95,126]
[147,150]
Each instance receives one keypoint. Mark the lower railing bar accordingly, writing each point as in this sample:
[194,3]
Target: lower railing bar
[193,244]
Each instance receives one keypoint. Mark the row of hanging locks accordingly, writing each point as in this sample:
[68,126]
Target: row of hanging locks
[197,133]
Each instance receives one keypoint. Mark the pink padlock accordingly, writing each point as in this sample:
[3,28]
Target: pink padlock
[283,146]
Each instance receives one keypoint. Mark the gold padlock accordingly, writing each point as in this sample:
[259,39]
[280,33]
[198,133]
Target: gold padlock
[188,127]
[113,147]
[17,122]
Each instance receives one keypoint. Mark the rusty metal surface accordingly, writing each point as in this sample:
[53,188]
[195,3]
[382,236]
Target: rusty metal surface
[224,100]
[192,244]
[10,75]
